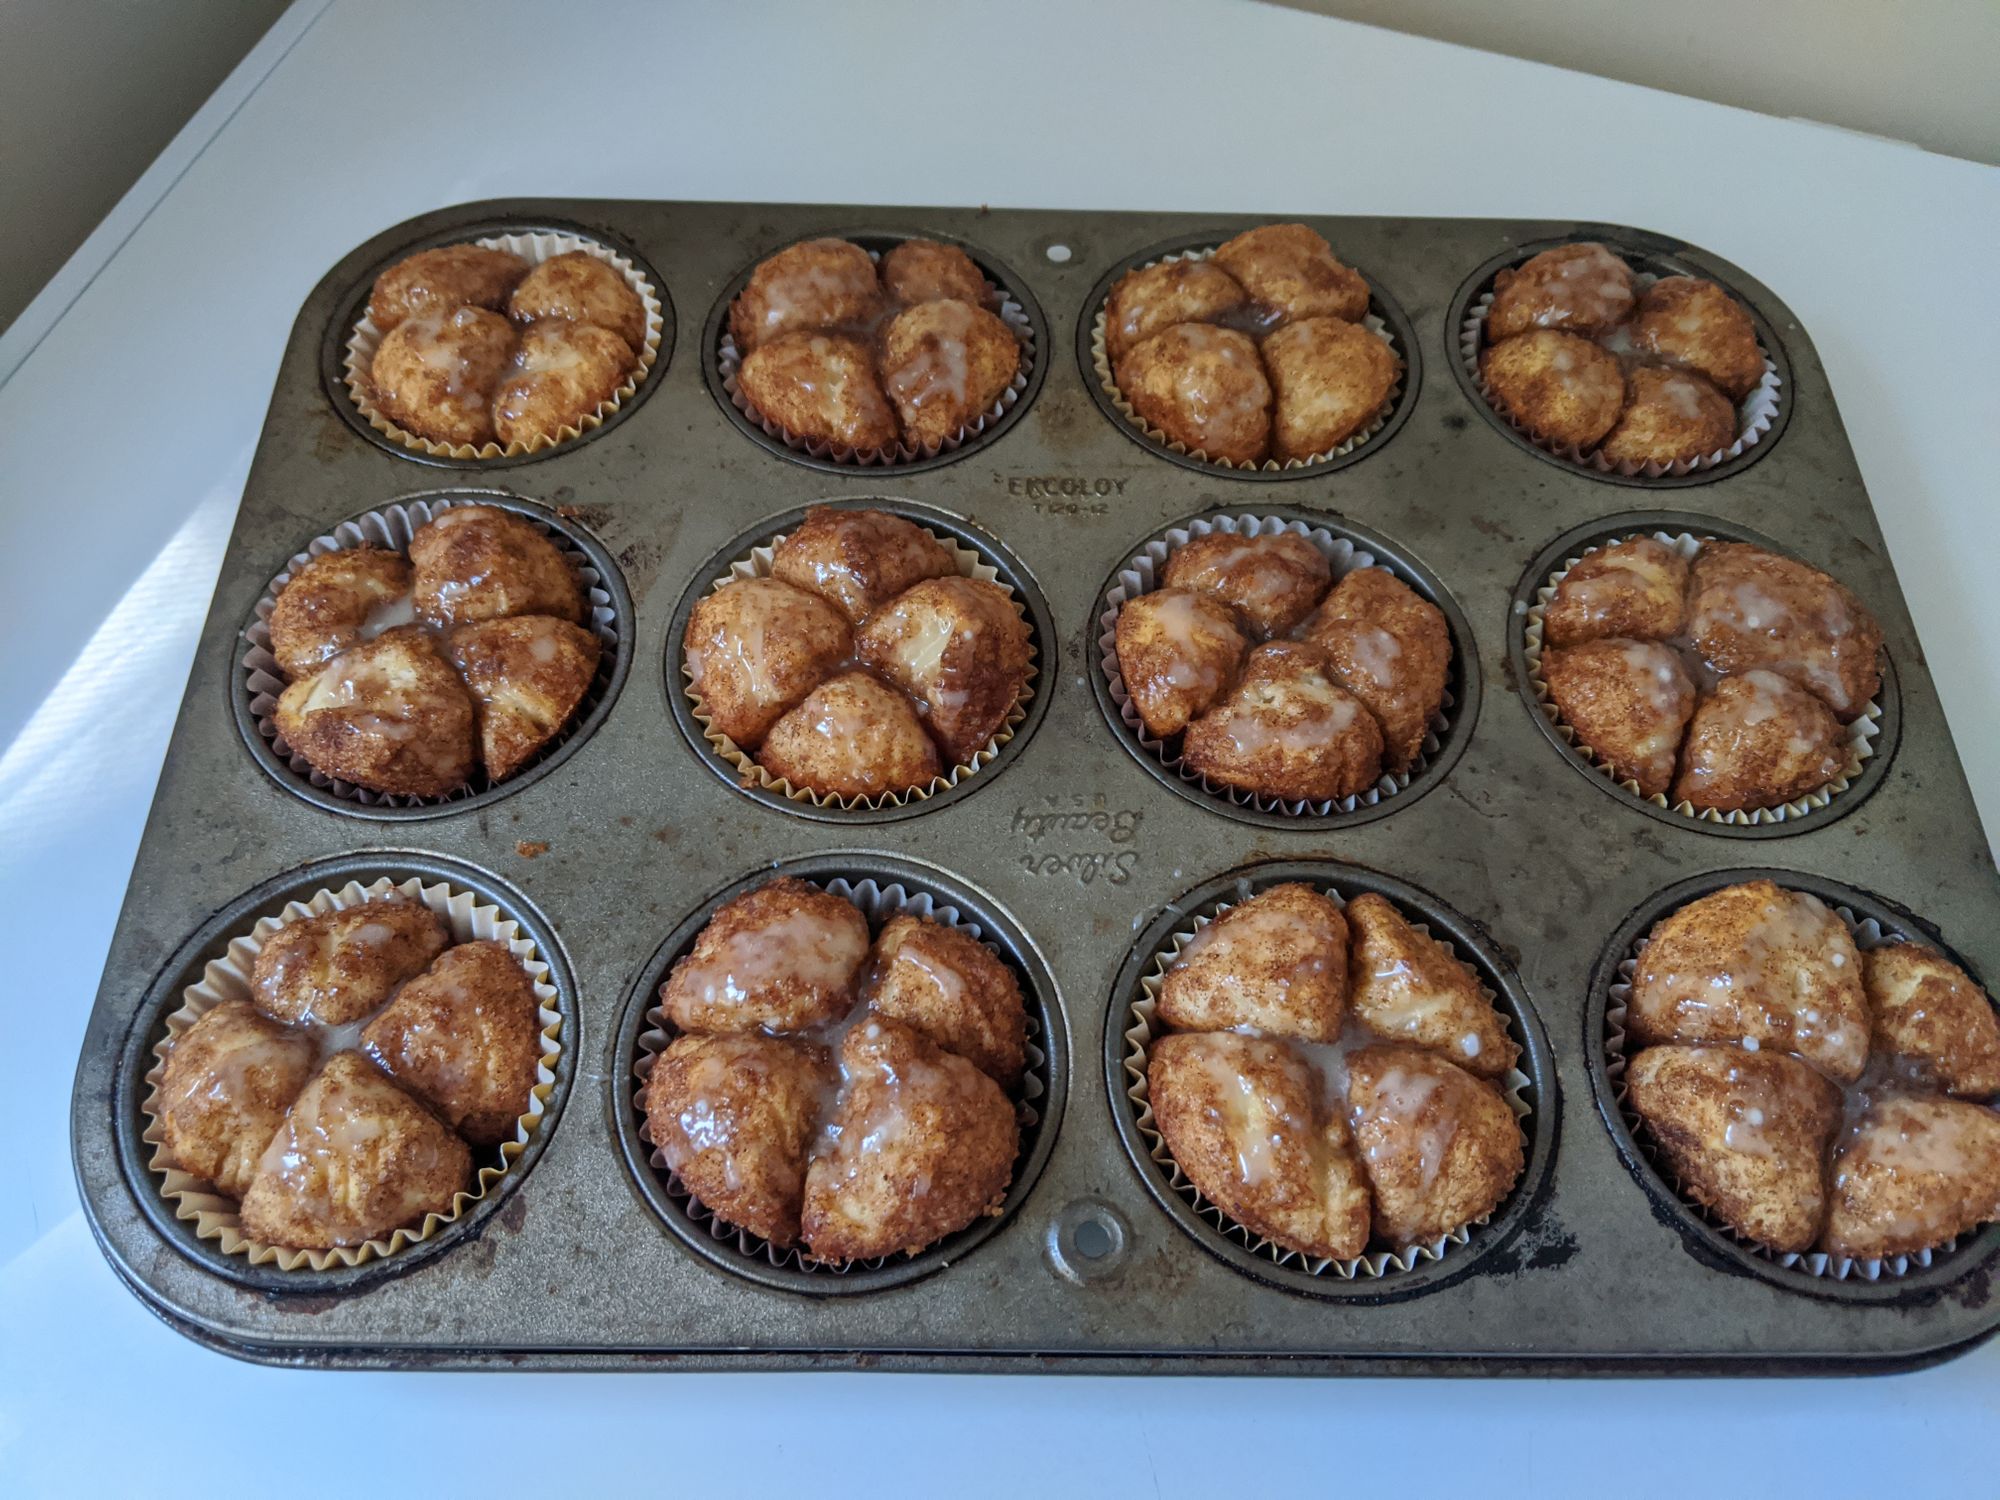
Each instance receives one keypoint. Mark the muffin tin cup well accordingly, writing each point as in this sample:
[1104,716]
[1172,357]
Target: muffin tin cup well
[351,342]
[1530,1089]
[1385,319]
[1760,417]
[213,965]
[255,685]
[1346,546]
[1873,920]
[1872,738]
[721,361]
[749,556]
[882,887]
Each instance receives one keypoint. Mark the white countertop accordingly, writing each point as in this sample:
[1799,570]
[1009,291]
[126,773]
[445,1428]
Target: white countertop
[126,430]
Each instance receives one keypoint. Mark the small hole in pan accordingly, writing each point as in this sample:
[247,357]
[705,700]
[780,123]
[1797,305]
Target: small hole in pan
[1059,254]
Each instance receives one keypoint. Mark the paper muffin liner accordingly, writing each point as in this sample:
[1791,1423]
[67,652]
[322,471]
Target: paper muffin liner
[469,919]
[535,247]
[729,363]
[757,564]
[1107,381]
[1754,413]
[878,903]
[1868,933]
[1861,734]
[391,528]
[1141,575]
[1139,1035]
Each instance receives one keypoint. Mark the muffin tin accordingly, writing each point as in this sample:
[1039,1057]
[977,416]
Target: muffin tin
[1065,846]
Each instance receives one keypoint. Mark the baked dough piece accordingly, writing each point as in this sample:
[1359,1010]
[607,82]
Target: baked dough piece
[1582,288]
[1391,648]
[734,1117]
[820,387]
[478,562]
[1440,1147]
[1636,589]
[1331,378]
[757,646]
[1916,1172]
[784,957]
[1248,1123]
[1928,1011]
[852,736]
[1406,986]
[1275,964]
[923,1144]
[954,990]
[585,289]
[859,559]
[959,647]
[1671,416]
[944,366]
[1758,965]
[389,714]
[1291,273]
[1178,652]
[811,285]
[562,373]
[1751,608]
[436,281]
[1745,1132]
[434,374]
[1288,729]
[1629,701]
[1159,296]
[356,1159]
[1560,386]
[1697,324]
[228,1082]
[1758,740]
[335,601]
[1272,581]
[926,271]
[464,1036]
[527,675]
[337,967]
[1204,387]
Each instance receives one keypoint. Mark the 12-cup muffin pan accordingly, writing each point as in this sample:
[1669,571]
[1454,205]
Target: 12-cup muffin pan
[1074,856]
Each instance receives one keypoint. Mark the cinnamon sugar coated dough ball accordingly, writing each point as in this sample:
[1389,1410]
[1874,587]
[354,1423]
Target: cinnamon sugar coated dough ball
[479,562]
[1331,378]
[438,280]
[757,646]
[859,559]
[356,1160]
[852,736]
[562,373]
[945,365]
[1389,647]
[1159,296]
[335,968]
[926,271]
[1636,589]
[1178,652]
[527,675]
[815,284]
[734,1117]
[1205,388]
[1581,288]
[584,289]
[1745,1132]
[1273,581]
[926,1146]
[953,989]
[1757,740]
[390,715]
[464,1037]
[1698,325]
[1628,701]
[959,647]
[1440,1147]
[1670,417]
[1751,608]
[1563,388]
[1928,1011]
[333,601]
[1275,965]
[228,1082]
[783,957]
[1292,273]
[820,387]
[434,374]
[1407,986]
[1248,1122]
[1915,1172]
[1287,729]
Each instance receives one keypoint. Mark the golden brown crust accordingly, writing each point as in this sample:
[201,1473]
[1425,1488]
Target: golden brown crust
[436,281]
[1582,288]
[1204,387]
[228,1082]
[815,284]
[1288,729]
[820,387]
[434,374]
[852,736]
[1561,387]
[1406,986]
[1928,1011]
[1671,416]
[1629,701]
[330,603]
[1697,324]
[1751,608]
[478,562]
[953,989]
[959,647]
[1275,964]
[1914,1173]
[755,648]
[1331,378]
[1758,740]
[1636,589]
[337,967]
[859,559]
[1291,273]
[389,714]
[1157,297]
[1273,581]
[1178,652]
[584,289]
[784,957]
[944,365]
[527,675]
[1440,1147]
[562,372]
[1391,648]
[926,271]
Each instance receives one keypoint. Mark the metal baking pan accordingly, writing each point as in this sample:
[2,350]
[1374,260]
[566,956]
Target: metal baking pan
[1074,849]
